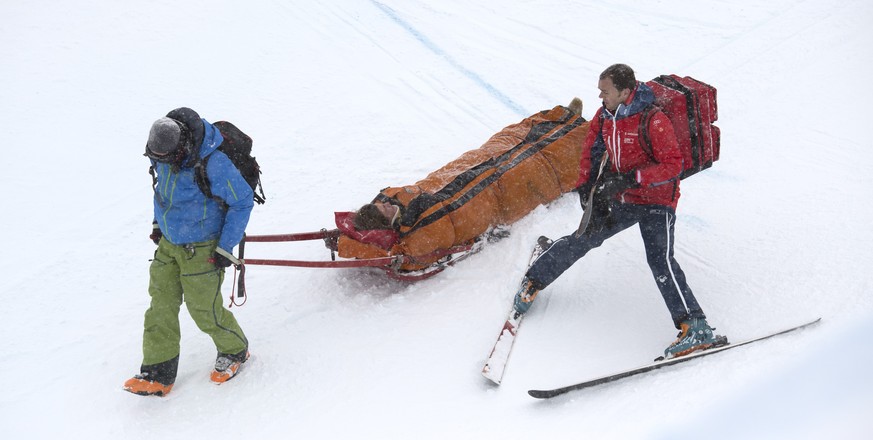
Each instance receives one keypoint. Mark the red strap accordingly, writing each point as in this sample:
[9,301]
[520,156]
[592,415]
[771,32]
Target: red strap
[242,288]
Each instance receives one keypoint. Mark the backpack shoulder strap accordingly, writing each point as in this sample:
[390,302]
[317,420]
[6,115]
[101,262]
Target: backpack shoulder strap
[645,138]
[202,178]
[599,147]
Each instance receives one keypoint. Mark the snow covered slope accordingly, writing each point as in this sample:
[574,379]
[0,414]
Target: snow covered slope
[344,98]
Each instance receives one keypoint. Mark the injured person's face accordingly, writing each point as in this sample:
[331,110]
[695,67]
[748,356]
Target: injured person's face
[391,212]
[377,216]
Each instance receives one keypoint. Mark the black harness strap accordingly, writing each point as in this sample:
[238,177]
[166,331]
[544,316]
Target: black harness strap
[501,168]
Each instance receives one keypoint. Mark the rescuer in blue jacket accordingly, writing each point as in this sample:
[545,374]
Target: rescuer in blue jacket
[195,235]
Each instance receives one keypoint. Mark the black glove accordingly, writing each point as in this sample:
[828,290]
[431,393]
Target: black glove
[614,183]
[156,233]
[220,261]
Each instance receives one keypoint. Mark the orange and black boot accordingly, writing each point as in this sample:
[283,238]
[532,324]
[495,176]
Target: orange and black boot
[154,380]
[228,365]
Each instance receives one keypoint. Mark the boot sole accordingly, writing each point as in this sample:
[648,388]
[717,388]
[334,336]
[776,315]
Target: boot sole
[157,392]
[719,341]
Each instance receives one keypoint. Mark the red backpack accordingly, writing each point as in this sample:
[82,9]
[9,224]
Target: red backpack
[691,107]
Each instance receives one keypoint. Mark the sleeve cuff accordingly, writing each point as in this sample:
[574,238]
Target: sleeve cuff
[227,255]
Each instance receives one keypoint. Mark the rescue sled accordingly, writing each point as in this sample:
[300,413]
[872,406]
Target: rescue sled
[448,215]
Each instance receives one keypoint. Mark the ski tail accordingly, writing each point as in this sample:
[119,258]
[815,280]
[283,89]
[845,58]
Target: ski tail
[495,365]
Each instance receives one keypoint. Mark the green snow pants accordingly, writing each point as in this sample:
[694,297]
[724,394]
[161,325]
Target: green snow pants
[180,273]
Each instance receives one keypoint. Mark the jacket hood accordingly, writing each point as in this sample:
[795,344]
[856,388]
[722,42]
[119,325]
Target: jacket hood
[212,138]
[191,120]
[203,134]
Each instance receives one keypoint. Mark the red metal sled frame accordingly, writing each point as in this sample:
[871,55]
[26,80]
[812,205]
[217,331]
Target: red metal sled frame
[391,264]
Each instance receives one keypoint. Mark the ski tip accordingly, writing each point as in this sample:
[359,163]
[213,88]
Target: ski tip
[489,374]
[542,394]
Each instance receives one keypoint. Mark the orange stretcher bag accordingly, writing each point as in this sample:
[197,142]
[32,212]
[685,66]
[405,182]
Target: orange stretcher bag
[522,166]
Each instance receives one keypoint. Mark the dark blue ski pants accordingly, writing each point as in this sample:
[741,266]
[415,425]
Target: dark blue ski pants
[656,227]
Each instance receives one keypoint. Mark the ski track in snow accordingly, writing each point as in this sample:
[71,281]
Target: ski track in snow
[345,98]
[497,94]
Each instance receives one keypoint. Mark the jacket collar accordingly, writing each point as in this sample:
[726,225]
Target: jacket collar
[640,98]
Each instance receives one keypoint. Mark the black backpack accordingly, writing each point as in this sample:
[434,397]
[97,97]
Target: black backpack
[238,147]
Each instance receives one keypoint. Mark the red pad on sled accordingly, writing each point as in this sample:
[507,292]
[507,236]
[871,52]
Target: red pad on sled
[383,238]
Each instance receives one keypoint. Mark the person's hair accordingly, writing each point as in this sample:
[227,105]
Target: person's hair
[369,217]
[622,76]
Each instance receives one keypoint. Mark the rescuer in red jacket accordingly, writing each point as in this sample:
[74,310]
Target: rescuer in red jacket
[634,187]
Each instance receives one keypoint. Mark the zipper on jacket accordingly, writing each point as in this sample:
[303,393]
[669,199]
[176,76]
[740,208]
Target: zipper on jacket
[615,143]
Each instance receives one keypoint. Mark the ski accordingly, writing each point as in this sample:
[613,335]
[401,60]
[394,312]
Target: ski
[495,365]
[547,394]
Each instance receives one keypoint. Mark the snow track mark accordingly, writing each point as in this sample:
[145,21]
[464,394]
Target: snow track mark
[493,91]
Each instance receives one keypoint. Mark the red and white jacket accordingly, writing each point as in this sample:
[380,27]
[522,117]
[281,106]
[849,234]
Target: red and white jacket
[658,175]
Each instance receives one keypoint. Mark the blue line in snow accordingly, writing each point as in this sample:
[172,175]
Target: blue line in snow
[437,50]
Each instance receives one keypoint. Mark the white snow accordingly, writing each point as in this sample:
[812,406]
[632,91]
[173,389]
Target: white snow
[344,98]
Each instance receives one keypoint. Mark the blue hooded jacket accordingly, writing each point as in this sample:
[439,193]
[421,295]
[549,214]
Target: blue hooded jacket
[184,214]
